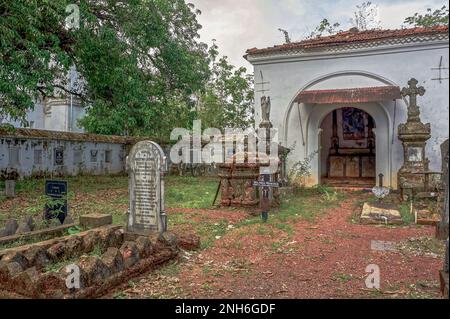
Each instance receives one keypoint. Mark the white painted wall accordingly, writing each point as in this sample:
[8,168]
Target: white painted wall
[395,65]
[28,165]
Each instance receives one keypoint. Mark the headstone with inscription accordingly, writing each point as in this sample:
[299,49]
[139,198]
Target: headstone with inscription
[146,165]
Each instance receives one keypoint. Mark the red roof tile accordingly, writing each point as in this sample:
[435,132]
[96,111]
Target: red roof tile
[351,36]
[355,95]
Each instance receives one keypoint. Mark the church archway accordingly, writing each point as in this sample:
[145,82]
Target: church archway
[381,131]
[301,130]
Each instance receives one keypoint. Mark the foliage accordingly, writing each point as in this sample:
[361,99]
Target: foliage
[438,17]
[325,28]
[74,230]
[328,194]
[135,60]
[365,17]
[301,170]
[228,98]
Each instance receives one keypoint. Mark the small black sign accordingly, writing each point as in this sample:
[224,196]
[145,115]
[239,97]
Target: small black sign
[59,156]
[56,207]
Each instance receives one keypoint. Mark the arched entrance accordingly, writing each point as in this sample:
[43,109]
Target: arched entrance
[348,148]
[382,134]
[302,129]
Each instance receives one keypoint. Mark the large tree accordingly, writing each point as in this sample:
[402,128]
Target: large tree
[227,101]
[140,60]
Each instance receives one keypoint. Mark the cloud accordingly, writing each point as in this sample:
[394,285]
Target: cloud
[238,25]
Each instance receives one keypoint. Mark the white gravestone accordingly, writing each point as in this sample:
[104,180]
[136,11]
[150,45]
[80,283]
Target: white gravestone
[146,165]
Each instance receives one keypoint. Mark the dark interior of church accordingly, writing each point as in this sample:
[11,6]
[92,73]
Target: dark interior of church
[348,154]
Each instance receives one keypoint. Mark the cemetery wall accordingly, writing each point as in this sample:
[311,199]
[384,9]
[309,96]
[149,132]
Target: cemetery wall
[31,152]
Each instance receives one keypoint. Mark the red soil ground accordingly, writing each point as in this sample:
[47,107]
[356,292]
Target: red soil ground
[326,258]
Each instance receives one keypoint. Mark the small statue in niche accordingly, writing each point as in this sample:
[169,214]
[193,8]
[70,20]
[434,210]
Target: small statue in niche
[265,109]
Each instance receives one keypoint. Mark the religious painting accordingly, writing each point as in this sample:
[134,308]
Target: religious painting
[353,123]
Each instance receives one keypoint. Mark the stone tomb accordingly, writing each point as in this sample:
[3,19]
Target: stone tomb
[146,165]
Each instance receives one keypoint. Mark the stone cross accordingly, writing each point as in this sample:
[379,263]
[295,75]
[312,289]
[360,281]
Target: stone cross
[412,92]
[146,165]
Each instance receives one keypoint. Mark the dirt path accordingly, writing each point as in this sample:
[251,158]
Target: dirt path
[322,259]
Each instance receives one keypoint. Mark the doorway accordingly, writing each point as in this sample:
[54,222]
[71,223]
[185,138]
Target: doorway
[348,148]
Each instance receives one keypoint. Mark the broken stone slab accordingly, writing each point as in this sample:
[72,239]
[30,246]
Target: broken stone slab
[8,270]
[95,220]
[27,225]
[110,237]
[37,257]
[380,245]
[169,239]
[10,227]
[373,213]
[90,241]
[113,259]
[144,246]
[24,228]
[51,285]
[73,247]
[25,282]
[129,253]
[16,256]
[56,251]
[95,269]
[3,232]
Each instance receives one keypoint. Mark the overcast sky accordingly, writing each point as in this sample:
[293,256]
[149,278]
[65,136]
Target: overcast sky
[238,25]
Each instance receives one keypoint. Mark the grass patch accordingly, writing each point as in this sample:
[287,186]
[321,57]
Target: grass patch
[105,195]
[405,212]
[190,192]
[308,204]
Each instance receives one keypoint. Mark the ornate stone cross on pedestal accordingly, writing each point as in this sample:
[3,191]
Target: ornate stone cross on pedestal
[414,134]
[412,91]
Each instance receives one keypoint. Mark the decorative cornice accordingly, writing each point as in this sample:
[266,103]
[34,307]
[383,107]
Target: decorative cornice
[355,47]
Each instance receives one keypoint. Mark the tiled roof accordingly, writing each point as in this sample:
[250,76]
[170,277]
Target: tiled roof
[26,133]
[351,37]
[355,95]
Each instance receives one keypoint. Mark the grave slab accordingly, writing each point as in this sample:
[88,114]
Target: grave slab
[378,213]
[95,220]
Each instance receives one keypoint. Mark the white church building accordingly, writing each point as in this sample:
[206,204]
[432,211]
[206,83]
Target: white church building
[55,113]
[339,97]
